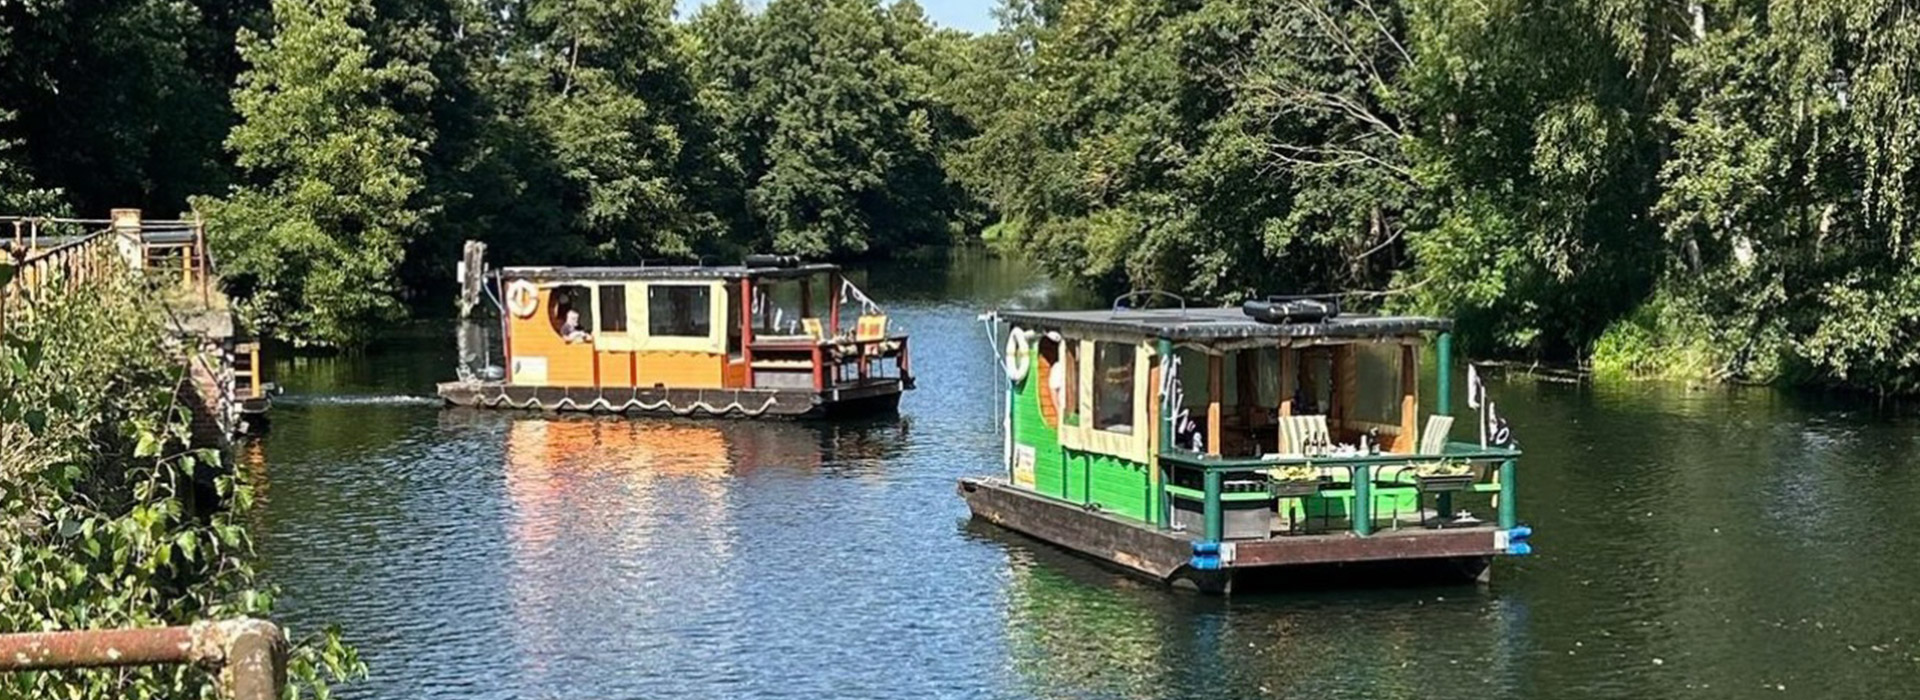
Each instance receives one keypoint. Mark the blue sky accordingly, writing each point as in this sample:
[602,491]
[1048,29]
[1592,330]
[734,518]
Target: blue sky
[971,15]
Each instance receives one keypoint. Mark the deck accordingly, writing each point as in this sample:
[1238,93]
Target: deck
[1184,560]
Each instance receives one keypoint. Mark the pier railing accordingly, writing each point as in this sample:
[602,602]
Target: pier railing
[1489,470]
[26,271]
[248,656]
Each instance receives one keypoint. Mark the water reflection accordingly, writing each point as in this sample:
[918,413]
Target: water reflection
[1077,630]
[1748,540]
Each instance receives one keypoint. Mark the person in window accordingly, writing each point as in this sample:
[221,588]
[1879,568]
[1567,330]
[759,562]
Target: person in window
[571,330]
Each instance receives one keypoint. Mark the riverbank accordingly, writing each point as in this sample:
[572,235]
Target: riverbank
[107,518]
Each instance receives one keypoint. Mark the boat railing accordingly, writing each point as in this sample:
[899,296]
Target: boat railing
[831,361]
[1460,467]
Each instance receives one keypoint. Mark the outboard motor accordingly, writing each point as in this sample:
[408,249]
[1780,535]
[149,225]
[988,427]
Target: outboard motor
[1291,309]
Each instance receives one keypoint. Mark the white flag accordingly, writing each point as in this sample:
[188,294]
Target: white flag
[1476,392]
[1498,432]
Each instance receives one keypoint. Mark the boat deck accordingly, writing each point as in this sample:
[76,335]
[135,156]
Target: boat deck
[1182,559]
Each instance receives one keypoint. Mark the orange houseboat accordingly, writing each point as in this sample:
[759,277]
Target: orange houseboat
[746,340]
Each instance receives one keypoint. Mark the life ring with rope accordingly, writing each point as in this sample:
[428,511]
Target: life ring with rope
[1019,355]
[522,298]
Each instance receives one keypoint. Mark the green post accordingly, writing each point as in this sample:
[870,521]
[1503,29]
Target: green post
[1362,499]
[1443,404]
[1509,515]
[1160,507]
[1216,519]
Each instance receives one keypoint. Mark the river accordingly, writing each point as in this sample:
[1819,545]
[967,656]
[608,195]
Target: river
[1692,543]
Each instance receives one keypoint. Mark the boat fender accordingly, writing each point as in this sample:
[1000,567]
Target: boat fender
[522,298]
[1019,355]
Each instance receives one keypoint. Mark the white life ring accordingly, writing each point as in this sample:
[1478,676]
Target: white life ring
[1019,355]
[522,298]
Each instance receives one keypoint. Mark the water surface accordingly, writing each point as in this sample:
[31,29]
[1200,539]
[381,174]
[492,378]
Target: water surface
[1719,543]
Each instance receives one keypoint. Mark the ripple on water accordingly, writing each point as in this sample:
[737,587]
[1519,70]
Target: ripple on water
[1740,538]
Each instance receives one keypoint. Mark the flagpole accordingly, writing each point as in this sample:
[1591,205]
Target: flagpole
[1486,407]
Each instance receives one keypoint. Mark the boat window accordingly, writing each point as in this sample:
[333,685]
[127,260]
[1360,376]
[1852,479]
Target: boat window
[570,298]
[680,310]
[1113,387]
[613,308]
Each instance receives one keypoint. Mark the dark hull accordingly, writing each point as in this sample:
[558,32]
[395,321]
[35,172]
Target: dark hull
[1175,558]
[869,397]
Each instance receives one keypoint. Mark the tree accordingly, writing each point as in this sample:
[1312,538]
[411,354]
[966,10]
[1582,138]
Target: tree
[1791,200]
[604,82]
[310,242]
[850,162]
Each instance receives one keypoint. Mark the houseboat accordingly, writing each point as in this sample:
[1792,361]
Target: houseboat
[772,337]
[1201,446]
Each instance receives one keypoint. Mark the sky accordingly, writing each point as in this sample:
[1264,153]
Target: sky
[971,15]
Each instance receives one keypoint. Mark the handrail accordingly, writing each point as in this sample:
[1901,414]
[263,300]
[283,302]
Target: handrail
[1214,469]
[1456,451]
[248,656]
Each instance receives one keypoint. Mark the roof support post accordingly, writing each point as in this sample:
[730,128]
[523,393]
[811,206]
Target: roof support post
[1509,516]
[1362,499]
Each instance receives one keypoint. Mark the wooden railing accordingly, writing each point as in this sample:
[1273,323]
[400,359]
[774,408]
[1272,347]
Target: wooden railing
[27,273]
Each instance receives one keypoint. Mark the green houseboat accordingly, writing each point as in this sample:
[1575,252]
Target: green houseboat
[1201,446]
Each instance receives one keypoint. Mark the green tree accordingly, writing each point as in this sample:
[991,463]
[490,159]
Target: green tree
[850,161]
[1790,199]
[310,242]
[606,85]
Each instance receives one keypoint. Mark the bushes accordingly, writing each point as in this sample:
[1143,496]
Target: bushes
[106,519]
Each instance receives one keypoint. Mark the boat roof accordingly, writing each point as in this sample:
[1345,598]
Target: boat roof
[1226,323]
[664,272]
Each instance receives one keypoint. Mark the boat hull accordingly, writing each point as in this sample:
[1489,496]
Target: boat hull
[1178,559]
[869,397]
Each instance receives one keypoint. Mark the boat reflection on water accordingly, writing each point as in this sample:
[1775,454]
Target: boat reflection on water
[1076,628]
[618,528]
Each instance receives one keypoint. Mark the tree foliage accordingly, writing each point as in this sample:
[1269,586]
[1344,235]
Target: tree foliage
[1566,177]
[312,239]
[106,517]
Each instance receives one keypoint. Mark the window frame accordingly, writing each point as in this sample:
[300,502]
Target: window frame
[1099,367]
[706,299]
[600,309]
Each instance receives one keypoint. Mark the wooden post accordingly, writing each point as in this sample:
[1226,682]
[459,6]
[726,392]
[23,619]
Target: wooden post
[472,269]
[1409,400]
[746,335]
[1215,372]
[833,304]
[806,297]
[1443,375]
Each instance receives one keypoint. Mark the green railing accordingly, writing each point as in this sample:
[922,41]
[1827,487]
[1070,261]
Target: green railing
[1363,471]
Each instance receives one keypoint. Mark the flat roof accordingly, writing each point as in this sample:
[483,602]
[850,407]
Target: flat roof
[1227,323]
[659,272]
